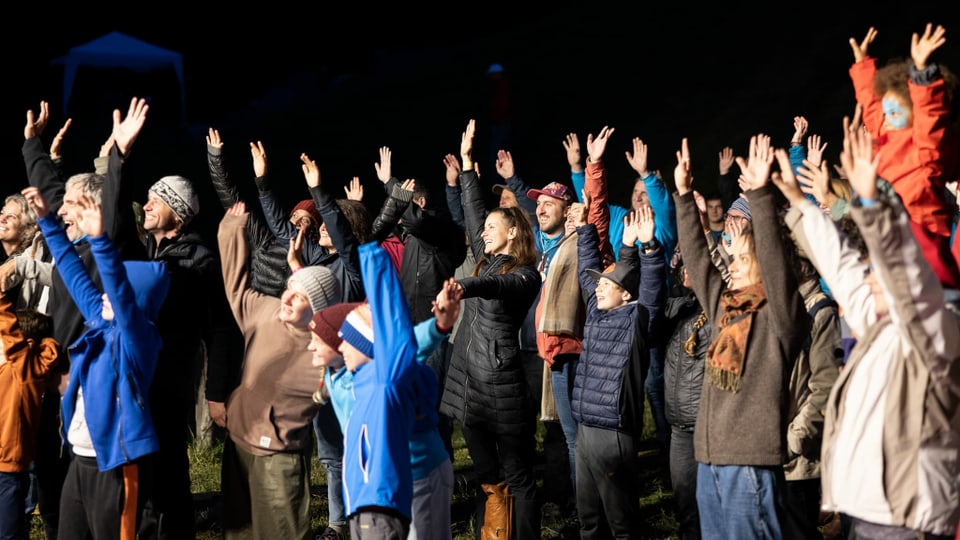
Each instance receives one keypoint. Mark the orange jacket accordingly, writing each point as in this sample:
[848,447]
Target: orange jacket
[23,379]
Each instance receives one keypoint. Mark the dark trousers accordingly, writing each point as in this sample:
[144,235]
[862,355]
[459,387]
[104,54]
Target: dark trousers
[168,509]
[103,505]
[513,455]
[801,516]
[683,477]
[608,500]
[13,493]
[50,464]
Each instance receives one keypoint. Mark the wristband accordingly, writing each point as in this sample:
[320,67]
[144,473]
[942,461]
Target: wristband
[649,246]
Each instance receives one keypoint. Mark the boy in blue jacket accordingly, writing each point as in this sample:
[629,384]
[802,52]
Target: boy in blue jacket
[377,472]
[105,410]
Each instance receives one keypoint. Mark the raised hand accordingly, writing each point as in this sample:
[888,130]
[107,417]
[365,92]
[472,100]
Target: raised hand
[311,173]
[701,202]
[596,146]
[921,47]
[446,306]
[571,143]
[35,126]
[354,190]
[682,176]
[786,182]
[36,202]
[858,161]
[106,146]
[239,208]
[815,150]
[90,220]
[125,131]
[58,139]
[505,167]
[259,155]
[755,171]
[800,126]
[213,138]
[408,185]
[295,251]
[638,159]
[815,180]
[644,223]
[725,160]
[466,144]
[383,167]
[452,167]
[580,219]
[860,49]
[630,230]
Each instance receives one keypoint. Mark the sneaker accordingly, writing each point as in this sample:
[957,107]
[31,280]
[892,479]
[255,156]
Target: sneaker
[333,532]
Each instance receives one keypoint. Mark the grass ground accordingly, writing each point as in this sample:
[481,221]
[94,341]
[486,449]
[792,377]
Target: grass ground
[656,496]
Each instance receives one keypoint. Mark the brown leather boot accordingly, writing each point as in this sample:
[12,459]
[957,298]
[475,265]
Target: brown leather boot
[498,512]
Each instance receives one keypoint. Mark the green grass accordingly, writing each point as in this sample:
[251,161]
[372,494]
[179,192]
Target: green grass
[656,496]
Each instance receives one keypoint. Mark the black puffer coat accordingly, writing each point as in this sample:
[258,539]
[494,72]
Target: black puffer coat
[485,386]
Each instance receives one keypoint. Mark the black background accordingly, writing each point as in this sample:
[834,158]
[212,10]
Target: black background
[339,81]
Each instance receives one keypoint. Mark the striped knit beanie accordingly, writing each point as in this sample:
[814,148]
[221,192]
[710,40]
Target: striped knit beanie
[357,329]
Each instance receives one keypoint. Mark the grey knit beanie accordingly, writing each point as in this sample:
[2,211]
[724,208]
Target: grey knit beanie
[322,287]
[178,193]
[743,206]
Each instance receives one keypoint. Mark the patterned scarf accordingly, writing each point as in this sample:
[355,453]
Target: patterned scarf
[726,354]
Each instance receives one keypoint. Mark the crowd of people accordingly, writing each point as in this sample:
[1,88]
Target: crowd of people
[794,329]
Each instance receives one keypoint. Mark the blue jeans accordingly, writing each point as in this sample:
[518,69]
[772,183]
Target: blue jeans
[13,493]
[740,501]
[653,387]
[330,453]
[562,395]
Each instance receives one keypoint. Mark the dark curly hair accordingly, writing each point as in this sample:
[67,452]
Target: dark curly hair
[359,218]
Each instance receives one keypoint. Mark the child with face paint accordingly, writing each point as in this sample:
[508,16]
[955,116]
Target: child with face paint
[906,109]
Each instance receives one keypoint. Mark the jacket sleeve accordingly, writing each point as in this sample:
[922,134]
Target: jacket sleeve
[455,205]
[235,267]
[85,293]
[428,338]
[779,280]
[42,173]
[16,350]
[474,211]
[664,213]
[914,294]
[595,184]
[131,319]
[391,210]
[862,74]
[707,282]
[588,258]
[931,117]
[837,262]
[341,236]
[510,285]
[519,187]
[228,195]
[277,220]
[653,280]
[119,220]
[394,344]
[825,341]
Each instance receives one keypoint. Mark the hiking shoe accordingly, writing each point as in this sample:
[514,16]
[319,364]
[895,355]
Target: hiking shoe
[332,532]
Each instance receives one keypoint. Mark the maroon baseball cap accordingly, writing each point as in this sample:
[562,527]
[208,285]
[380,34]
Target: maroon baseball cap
[553,189]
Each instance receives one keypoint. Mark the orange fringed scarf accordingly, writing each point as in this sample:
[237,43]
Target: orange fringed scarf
[725,356]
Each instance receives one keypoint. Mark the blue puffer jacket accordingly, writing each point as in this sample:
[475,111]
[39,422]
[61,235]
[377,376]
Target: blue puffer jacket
[113,361]
[608,388]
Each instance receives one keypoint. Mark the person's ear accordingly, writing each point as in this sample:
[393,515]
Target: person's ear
[512,233]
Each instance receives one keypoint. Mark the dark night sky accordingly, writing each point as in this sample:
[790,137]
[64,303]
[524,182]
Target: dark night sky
[409,77]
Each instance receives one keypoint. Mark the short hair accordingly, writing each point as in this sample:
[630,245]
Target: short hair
[90,184]
[34,324]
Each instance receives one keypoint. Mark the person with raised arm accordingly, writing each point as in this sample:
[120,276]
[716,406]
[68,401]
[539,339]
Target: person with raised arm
[891,428]
[760,324]
[906,110]
[486,389]
[106,412]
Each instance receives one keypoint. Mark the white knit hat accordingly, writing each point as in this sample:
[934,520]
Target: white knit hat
[178,193]
[322,287]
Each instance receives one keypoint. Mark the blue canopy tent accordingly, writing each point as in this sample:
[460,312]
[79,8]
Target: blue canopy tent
[118,50]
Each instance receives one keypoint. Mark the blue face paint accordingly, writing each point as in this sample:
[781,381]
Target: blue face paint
[894,113]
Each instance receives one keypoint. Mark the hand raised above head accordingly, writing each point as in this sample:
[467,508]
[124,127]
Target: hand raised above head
[682,176]
[126,130]
[35,201]
[213,138]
